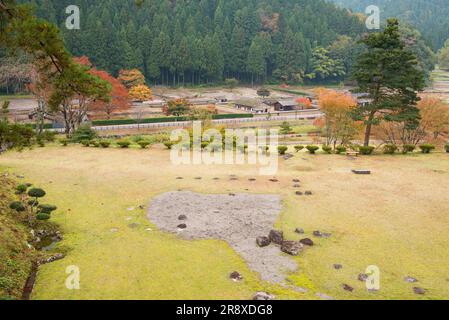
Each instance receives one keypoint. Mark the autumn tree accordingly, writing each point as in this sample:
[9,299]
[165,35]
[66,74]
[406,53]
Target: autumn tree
[178,107]
[304,102]
[338,124]
[140,93]
[387,71]
[131,78]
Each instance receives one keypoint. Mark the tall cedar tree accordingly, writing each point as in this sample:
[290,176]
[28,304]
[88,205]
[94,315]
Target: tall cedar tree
[389,74]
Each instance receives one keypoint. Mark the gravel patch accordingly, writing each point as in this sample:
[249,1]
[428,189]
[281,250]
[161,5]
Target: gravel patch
[238,219]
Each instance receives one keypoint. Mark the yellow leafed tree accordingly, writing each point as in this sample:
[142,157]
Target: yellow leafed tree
[141,93]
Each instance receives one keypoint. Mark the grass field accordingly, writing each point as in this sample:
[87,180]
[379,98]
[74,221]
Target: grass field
[397,219]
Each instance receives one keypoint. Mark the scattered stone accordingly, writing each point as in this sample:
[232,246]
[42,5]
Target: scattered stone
[307,242]
[292,248]
[182,226]
[288,156]
[142,207]
[114,230]
[274,180]
[148,229]
[318,234]
[198,178]
[299,193]
[418,290]
[338,266]
[297,186]
[362,172]
[308,193]
[51,259]
[348,288]
[134,225]
[131,209]
[296,181]
[299,231]
[327,235]
[410,279]
[179,178]
[232,194]
[276,237]
[216,179]
[363,277]
[252,179]
[233,178]
[263,296]
[235,276]
[182,217]
[20,176]
[263,241]
[324,296]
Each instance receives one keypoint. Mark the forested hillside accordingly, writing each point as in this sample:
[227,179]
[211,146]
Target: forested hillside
[177,42]
[430,17]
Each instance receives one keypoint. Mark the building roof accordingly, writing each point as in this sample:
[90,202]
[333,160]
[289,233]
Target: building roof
[252,103]
[287,102]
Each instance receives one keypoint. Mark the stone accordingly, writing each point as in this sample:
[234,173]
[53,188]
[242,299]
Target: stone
[179,178]
[114,230]
[299,231]
[216,179]
[276,237]
[299,193]
[296,180]
[362,172]
[252,179]
[263,241]
[235,276]
[363,277]
[232,194]
[418,290]
[296,186]
[338,266]
[348,288]
[141,207]
[410,279]
[182,217]
[318,234]
[292,248]
[274,180]
[308,193]
[131,209]
[307,242]
[288,156]
[263,296]
[198,178]
[182,226]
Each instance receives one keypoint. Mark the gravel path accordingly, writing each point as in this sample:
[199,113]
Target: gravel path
[237,219]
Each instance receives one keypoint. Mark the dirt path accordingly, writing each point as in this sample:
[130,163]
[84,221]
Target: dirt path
[237,219]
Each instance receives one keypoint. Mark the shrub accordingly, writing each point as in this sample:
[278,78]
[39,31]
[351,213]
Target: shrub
[340,149]
[64,142]
[47,208]
[446,147]
[427,148]
[17,205]
[105,144]
[406,148]
[313,149]
[84,132]
[390,149]
[143,144]
[282,150]
[49,136]
[299,148]
[366,150]
[327,149]
[123,144]
[21,188]
[169,144]
[36,193]
[85,143]
[40,142]
[204,144]
[95,143]
[42,216]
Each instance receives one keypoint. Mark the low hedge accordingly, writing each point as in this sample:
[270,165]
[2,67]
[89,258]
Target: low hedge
[166,119]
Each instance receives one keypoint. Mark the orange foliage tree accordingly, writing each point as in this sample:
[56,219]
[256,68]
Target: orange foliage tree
[141,93]
[178,107]
[338,125]
[119,101]
[304,102]
[131,78]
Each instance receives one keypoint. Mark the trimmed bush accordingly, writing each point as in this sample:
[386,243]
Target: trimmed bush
[64,142]
[144,144]
[123,144]
[36,193]
[84,132]
[85,143]
[446,147]
[105,144]
[406,148]
[17,205]
[298,148]
[42,216]
[204,144]
[390,149]
[366,150]
[33,203]
[169,144]
[46,208]
[327,149]
[282,150]
[95,143]
[312,149]
[427,148]
[340,149]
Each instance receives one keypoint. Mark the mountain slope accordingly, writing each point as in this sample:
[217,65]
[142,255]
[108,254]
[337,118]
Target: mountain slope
[430,17]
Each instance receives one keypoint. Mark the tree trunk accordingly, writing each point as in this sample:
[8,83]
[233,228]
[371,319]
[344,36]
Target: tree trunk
[369,126]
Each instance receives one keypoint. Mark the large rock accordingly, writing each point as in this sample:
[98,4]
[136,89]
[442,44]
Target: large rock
[261,296]
[307,242]
[292,248]
[263,241]
[276,237]
[235,276]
